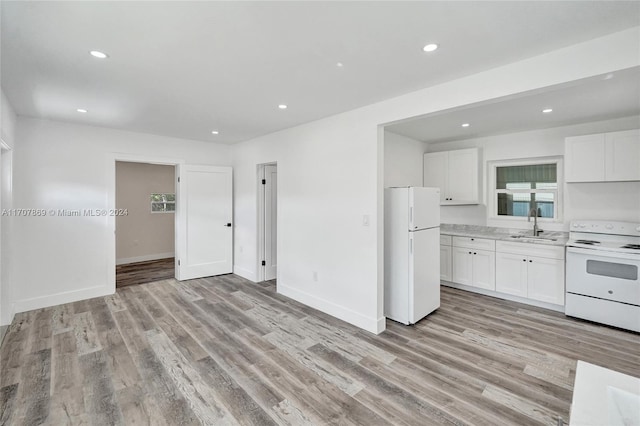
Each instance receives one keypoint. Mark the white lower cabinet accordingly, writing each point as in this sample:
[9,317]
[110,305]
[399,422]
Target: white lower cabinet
[445,263]
[462,264]
[511,274]
[546,280]
[526,270]
[474,267]
[539,277]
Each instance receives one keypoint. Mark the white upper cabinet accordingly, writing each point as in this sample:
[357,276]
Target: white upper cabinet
[622,155]
[456,173]
[604,157]
[436,170]
[584,158]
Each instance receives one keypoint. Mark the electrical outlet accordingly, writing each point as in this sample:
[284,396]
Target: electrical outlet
[315,276]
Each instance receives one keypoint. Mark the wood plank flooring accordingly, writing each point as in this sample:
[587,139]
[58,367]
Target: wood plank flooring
[145,272]
[223,351]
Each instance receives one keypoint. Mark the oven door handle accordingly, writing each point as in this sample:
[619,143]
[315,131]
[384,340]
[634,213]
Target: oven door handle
[603,253]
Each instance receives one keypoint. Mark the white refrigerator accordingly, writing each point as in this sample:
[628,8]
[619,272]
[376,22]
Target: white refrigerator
[411,253]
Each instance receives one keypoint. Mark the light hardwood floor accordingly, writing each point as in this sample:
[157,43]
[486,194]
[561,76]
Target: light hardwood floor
[222,351]
[145,272]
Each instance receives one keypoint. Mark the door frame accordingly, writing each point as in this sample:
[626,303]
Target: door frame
[111,204]
[7,305]
[260,217]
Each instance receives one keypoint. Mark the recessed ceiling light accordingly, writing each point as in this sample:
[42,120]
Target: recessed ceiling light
[465,125]
[430,47]
[215,132]
[83,111]
[547,110]
[98,54]
[282,106]
[339,64]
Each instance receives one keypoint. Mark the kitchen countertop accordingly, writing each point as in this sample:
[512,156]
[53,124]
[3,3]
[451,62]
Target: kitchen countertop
[503,234]
[604,397]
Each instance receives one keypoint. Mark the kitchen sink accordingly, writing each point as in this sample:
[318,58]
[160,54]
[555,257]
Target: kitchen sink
[530,238]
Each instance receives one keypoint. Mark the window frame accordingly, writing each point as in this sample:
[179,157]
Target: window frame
[151,202]
[493,191]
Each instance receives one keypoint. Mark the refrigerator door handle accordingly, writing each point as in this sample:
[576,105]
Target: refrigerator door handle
[411,216]
[411,245]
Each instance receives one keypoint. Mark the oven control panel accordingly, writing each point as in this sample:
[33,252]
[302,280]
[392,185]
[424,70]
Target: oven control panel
[606,227]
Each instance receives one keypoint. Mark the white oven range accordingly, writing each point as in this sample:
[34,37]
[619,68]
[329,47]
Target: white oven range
[602,273]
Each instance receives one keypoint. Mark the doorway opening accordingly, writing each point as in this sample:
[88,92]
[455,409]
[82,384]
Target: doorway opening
[145,205]
[267,222]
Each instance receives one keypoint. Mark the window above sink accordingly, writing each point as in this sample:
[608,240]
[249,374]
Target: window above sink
[518,186]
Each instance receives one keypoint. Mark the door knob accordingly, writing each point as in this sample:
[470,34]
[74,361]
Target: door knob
[228,224]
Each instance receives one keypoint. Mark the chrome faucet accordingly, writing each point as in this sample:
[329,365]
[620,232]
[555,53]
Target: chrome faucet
[536,230]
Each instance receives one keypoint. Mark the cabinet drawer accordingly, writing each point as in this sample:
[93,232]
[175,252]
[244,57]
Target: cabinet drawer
[474,243]
[527,249]
[445,240]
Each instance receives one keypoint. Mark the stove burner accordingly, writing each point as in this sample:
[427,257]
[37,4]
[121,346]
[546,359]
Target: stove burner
[632,246]
[587,242]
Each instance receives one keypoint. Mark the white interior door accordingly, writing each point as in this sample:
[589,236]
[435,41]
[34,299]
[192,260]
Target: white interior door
[270,221]
[204,222]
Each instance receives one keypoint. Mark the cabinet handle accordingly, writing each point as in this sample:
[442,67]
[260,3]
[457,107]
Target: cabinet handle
[524,260]
[530,261]
[473,239]
[469,252]
[475,253]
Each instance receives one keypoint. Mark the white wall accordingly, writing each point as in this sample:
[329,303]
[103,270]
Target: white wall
[606,201]
[327,182]
[7,133]
[140,234]
[330,174]
[403,160]
[66,166]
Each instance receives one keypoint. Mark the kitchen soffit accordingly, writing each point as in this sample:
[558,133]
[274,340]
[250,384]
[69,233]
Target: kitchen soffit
[597,98]
[183,68]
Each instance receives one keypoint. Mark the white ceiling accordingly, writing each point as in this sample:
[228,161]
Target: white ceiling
[185,68]
[598,98]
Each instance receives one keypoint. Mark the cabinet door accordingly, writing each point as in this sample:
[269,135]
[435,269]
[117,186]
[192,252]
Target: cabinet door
[435,172]
[584,158]
[511,274]
[622,156]
[445,263]
[546,280]
[484,269]
[463,176]
[462,260]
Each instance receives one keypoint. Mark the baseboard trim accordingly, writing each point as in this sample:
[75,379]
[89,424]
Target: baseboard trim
[371,325]
[127,260]
[62,298]
[524,300]
[244,273]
